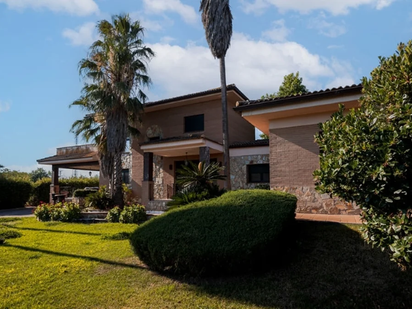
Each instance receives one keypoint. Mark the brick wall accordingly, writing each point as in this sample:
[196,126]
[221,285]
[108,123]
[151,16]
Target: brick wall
[294,156]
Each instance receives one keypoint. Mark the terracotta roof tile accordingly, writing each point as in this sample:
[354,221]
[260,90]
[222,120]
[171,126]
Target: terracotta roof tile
[258,142]
[251,104]
[197,94]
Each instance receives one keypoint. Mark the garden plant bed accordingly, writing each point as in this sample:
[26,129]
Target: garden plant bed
[73,265]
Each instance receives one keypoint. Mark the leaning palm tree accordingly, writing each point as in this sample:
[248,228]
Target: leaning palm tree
[217,22]
[116,71]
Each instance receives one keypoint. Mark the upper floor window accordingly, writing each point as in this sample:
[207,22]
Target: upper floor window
[258,173]
[194,123]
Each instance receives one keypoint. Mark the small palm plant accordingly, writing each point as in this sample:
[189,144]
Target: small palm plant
[198,182]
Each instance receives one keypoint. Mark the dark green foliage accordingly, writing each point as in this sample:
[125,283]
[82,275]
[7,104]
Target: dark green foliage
[198,183]
[8,234]
[82,192]
[291,85]
[38,174]
[237,232]
[264,186]
[99,199]
[113,214]
[133,213]
[66,212]
[117,236]
[41,188]
[366,155]
[14,192]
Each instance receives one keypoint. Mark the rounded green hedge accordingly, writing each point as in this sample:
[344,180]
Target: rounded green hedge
[14,192]
[235,233]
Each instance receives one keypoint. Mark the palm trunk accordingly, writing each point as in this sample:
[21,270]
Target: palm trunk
[117,185]
[225,126]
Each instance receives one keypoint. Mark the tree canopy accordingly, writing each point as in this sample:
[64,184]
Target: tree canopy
[115,72]
[291,85]
[365,155]
[39,173]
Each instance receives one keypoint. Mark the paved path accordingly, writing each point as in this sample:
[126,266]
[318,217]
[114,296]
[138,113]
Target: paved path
[27,212]
[17,212]
[330,218]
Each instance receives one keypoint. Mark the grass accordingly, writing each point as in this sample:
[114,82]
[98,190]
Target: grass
[62,265]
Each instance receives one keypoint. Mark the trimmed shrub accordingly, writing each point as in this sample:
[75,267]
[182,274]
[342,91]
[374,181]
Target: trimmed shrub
[114,214]
[40,192]
[235,233]
[14,192]
[64,211]
[133,214]
[8,234]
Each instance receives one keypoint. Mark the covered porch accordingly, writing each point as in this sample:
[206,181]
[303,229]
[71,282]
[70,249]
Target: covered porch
[83,157]
[163,157]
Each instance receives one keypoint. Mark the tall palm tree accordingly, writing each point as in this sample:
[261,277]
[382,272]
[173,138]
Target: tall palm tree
[217,22]
[116,71]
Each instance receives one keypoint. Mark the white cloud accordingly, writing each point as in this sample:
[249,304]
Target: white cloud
[326,28]
[83,35]
[335,7]
[4,107]
[186,12]
[147,24]
[75,7]
[257,67]
[278,33]
[167,39]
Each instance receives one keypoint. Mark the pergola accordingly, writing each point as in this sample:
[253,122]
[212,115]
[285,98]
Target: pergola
[83,157]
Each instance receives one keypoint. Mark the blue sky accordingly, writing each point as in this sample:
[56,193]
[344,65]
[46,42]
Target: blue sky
[331,43]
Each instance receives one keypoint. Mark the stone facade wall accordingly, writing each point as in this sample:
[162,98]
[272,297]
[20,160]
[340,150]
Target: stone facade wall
[238,170]
[311,201]
[127,164]
[158,179]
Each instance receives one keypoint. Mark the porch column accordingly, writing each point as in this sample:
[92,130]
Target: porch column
[54,186]
[147,185]
[204,154]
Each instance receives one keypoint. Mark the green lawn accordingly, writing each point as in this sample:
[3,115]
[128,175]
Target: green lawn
[62,265]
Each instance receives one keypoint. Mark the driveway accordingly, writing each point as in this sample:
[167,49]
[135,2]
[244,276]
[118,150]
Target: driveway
[17,212]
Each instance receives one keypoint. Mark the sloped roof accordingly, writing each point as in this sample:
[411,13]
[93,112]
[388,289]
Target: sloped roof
[198,94]
[252,104]
[255,143]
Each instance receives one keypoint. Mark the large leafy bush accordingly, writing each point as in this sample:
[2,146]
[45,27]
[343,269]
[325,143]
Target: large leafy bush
[14,191]
[64,211]
[366,155]
[237,232]
[133,213]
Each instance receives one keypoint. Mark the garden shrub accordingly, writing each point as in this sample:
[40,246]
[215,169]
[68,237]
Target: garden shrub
[40,192]
[82,192]
[99,199]
[8,234]
[113,214]
[198,183]
[14,192]
[365,156]
[133,213]
[237,232]
[63,211]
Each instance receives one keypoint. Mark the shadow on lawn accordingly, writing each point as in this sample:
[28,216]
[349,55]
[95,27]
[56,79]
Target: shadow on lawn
[89,258]
[50,230]
[330,266]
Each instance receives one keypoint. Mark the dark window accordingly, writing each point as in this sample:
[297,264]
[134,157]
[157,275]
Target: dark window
[126,176]
[194,123]
[258,173]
